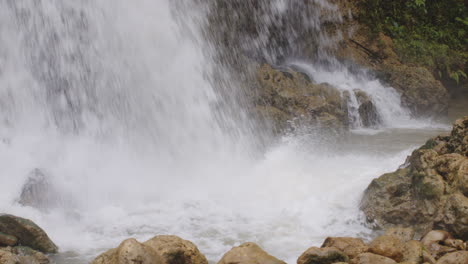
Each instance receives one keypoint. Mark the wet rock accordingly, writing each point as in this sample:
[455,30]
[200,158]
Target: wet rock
[7,240]
[435,236]
[429,191]
[160,250]
[367,109]
[348,245]
[7,257]
[387,246]
[455,243]
[173,249]
[402,233]
[129,251]
[288,95]
[370,258]
[326,255]
[428,258]
[30,256]
[459,257]
[248,253]
[38,192]
[413,252]
[22,255]
[420,91]
[27,233]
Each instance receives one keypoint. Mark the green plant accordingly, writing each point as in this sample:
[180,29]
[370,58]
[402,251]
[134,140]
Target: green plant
[429,33]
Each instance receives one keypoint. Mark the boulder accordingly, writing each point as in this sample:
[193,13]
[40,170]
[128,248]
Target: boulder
[28,255]
[173,249]
[367,109]
[403,233]
[7,257]
[38,192]
[459,257]
[413,252]
[419,90]
[129,251]
[326,255]
[22,255]
[370,258]
[158,250]
[348,245]
[7,240]
[435,236]
[428,191]
[248,253]
[288,95]
[387,246]
[27,233]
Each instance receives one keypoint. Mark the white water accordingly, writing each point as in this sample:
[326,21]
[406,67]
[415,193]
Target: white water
[111,99]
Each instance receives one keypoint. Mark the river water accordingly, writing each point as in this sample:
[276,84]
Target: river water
[112,100]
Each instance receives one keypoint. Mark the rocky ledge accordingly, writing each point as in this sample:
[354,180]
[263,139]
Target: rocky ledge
[285,96]
[23,242]
[429,190]
[395,246]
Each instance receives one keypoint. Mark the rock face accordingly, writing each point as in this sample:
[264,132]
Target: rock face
[27,233]
[287,95]
[429,191]
[158,250]
[419,90]
[248,253]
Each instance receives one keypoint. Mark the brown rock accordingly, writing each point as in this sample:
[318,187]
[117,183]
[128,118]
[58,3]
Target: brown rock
[285,94]
[248,253]
[370,258]
[388,246]
[413,251]
[427,257]
[30,256]
[7,240]
[173,249]
[455,243]
[326,255]
[403,233]
[349,245]
[27,232]
[129,251]
[6,257]
[459,257]
[428,190]
[435,236]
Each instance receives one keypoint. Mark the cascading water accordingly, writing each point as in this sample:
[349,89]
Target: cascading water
[121,105]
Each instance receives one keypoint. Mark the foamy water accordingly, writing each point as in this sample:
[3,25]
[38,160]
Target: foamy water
[113,101]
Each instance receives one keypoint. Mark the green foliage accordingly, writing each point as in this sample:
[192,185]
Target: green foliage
[429,33]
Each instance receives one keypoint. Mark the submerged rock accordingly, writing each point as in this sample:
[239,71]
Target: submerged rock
[158,250]
[27,233]
[248,253]
[38,192]
[430,191]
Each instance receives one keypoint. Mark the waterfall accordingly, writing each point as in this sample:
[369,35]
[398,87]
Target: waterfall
[135,114]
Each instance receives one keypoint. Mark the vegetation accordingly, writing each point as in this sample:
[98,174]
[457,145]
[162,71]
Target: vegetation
[429,33]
